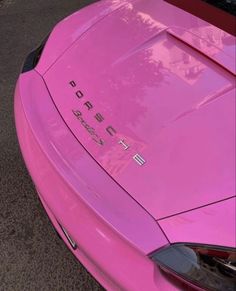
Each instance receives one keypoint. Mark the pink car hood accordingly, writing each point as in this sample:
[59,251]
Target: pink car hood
[161,81]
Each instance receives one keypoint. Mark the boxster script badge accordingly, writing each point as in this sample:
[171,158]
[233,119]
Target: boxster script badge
[110,130]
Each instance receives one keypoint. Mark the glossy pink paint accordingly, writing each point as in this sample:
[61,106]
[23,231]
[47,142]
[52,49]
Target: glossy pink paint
[220,220]
[108,226]
[164,80]
[154,90]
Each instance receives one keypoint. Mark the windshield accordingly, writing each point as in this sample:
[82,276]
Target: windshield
[220,13]
[227,5]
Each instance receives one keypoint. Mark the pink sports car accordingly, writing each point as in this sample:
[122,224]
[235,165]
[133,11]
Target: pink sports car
[125,116]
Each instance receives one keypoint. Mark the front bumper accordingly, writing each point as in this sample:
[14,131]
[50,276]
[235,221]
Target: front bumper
[113,233]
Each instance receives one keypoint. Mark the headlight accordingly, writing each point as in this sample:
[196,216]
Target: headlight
[33,58]
[208,267]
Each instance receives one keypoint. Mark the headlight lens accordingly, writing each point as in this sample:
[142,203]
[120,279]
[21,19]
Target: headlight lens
[208,267]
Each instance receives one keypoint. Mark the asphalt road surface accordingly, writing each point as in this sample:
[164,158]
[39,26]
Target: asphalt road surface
[32,257]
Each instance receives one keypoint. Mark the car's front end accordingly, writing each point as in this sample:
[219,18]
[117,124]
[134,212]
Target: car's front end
[130,141]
